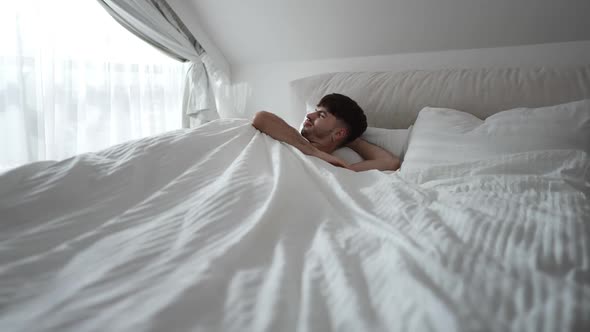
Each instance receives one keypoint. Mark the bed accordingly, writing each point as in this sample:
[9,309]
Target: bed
[485,227]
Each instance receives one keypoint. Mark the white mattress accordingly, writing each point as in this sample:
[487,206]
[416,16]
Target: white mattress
[223,228]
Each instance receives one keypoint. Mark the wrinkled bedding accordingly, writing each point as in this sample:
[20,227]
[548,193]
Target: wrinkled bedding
[223,228]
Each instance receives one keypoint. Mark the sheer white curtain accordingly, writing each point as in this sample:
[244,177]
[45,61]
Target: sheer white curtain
[73,80]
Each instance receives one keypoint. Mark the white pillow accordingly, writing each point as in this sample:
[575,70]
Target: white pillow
[348,155]
[392,140]
[446,136]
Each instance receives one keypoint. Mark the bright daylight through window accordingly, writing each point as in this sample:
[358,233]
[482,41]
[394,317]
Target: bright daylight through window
[73,80]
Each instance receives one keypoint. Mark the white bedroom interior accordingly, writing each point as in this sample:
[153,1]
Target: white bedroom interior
[136,195]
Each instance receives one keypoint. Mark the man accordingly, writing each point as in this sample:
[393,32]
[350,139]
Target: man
[337,121]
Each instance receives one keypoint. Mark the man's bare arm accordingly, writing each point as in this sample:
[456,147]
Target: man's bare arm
[375,157]
[278,129]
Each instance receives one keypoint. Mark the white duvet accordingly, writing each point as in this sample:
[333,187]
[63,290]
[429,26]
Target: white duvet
[223,228]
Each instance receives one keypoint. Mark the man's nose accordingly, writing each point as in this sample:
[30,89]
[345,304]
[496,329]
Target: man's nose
[312,115]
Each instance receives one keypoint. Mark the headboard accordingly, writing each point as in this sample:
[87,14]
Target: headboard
[393,99]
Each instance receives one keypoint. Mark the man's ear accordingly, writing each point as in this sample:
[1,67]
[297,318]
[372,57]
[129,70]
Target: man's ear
[341,134]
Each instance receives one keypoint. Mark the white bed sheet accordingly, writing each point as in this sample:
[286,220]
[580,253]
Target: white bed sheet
[223,228]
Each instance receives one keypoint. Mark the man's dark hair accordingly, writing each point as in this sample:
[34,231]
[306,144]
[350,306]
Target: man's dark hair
[347,110]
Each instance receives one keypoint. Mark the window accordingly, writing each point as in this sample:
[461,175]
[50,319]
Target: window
[73,80]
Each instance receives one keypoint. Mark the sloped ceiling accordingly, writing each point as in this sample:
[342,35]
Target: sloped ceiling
[265,31]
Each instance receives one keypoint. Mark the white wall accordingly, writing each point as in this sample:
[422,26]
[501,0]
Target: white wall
[185,12]
[266,86]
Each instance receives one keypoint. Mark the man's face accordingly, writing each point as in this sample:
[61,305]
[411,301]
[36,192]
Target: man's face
[320,125]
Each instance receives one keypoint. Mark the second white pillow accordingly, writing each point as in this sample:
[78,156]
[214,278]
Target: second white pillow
[447,136]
